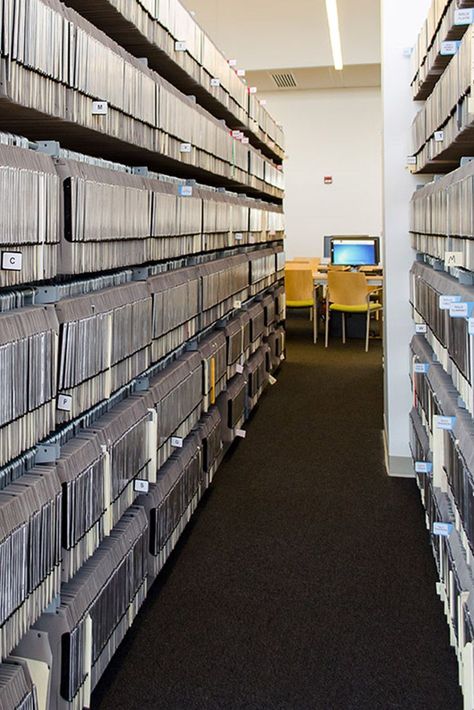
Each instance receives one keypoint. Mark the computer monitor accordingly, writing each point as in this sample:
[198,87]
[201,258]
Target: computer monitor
[327,247]
[355,251]
[328,240]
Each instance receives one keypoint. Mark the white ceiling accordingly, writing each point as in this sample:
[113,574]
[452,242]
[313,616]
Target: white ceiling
[276,34]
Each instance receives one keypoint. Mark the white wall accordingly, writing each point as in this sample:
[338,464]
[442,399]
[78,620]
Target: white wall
[332,132]
[401,21]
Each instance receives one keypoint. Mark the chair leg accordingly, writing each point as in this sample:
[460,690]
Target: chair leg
[327,322]
[311,314]
[367,331]
[315,315]
[343,328]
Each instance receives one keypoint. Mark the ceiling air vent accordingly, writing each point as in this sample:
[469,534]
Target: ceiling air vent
[285,80]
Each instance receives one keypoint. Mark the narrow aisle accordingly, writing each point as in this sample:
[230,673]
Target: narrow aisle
[306,580]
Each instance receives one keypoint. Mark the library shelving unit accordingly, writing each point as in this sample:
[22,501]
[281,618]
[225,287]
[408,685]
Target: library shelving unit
[442,300]
[142,313]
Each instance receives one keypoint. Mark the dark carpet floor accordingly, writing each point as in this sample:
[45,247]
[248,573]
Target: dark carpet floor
[306,580]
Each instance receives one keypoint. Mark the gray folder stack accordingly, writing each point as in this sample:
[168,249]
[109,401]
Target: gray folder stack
[29,219]
[28,372]
[17,691]
[172,501]
[115,324]
[213,352]
[176,308]
[30,552]
[176,396]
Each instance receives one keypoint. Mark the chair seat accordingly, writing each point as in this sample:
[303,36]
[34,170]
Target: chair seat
[300,304]
[355,309]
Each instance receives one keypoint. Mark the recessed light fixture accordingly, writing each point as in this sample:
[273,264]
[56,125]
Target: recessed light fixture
[334,33]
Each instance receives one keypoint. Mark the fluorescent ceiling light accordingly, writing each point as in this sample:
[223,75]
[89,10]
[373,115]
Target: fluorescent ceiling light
[334,33]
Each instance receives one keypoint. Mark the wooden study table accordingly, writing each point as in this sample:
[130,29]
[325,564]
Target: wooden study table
[320,278]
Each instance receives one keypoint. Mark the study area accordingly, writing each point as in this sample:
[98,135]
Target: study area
[348,282]
[236,355]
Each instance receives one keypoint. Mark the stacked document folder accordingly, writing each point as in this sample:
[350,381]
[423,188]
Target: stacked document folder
[125,107]
[176,396]
[232,406]
[97,608]
[28,376]
[213,352]
[435,297]
[169,37]
[29,220]
[116,322]
[442,216]
[256,373]
[443,124]
[172,501]
[142,310]
[17,691]
[30,552]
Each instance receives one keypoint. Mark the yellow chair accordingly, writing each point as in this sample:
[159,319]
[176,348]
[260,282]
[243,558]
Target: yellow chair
[300,290]
[314,261]
[338,267]
[349,293]
[299,287]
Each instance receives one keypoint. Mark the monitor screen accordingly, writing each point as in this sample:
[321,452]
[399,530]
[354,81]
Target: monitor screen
[354,252]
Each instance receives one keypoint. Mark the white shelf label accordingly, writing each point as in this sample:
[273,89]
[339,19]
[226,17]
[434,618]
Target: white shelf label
[459,310]
[239,236]
[252,89]
[445,423]
[421,328]
[463,17]
[185,190]
[423,467]
[180,46]
[64,403]
[141,486]
[177,442]
[239,369]
[421,368]
[100,108]
[237,304]
[215,82]
[411,160]
[241,72]
[232,62]
[442,529]
[449,48]
[439,136]
[237,134]
[245,140]
[454,258]
[240,433]
[185,148]
[445,302]
[12,260]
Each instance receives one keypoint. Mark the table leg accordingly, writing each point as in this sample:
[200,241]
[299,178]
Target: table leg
[315,314]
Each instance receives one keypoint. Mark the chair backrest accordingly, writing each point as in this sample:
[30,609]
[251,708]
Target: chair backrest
[299,284]
[338,267]
[314,261]
[347,288]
